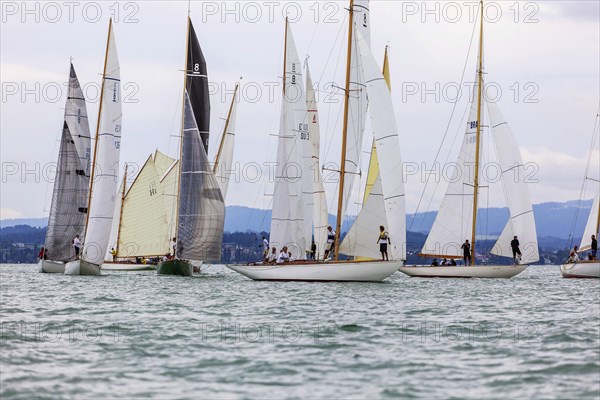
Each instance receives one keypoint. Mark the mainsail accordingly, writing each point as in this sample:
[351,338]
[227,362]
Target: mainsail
[140,235]
[357,100]
[106,157]
[385,131]
[359,240]
[287,222]
[69,198]
[201,213]
[319,215]
[516,191]
[197,88]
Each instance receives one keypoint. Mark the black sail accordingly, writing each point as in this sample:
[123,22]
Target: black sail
[197,86]
[69,197]
[201,206]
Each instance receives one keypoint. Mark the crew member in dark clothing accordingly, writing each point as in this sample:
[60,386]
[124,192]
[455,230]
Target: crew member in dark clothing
[313,250]
[594,247]
[514,245]
[466,248]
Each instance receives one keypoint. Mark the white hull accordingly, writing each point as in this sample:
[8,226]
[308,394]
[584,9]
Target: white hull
[81,267]
[581,270]
[51,267]
[127,267]
[320,272]
[480,271]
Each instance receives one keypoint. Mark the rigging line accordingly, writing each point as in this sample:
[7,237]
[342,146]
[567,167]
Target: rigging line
[447,127]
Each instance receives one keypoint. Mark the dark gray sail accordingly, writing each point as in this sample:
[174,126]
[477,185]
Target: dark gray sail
[197,85]
[71,186]
[201,207]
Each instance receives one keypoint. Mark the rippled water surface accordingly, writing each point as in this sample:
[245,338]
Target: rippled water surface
[220,335]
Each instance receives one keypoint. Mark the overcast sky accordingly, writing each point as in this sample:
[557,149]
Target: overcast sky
[544,57]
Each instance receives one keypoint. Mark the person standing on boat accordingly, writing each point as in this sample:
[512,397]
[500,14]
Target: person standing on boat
[594,248]
[466,248]
[174,247]
[313,250]
[330,242]
[42,254]
[383,240]
[514,245]
[77,246]
[113,253]
[265,248]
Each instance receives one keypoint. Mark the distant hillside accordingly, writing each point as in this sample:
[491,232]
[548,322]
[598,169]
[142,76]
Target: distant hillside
[552,219]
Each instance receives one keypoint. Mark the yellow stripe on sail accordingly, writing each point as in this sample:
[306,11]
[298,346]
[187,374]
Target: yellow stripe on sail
[373,172]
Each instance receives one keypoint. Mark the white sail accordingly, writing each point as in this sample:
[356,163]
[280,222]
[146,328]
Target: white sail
[141,235]
[225,160]
[362,236]
[516,191]
[385,131]
[169,182]
[114,230]
[287,222]
[591,228]
[357,101]
[454,221]
[105,179]
[320,214]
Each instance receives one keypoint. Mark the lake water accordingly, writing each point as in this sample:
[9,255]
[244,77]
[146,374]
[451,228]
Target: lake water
[220,335]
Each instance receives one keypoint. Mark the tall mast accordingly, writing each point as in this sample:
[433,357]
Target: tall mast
[285,54]
[121,211]
[477,134]
[218,156]
[185,73]
[338,225]
[87,219]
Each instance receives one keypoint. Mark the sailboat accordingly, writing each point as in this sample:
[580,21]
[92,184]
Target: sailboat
[200,210]
[457,216]
[103,178]
[587,268]
[68,208]
[288,220]
[142,216]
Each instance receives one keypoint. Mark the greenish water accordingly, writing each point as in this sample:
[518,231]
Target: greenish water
[220,335]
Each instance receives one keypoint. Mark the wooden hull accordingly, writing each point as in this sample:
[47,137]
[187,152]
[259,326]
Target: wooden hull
[320,272]
[175,267]
[581,270]
[81,267]
[51,267]
[113,266]
[482,271]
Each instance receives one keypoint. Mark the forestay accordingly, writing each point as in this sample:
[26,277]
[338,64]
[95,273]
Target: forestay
[225,161]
